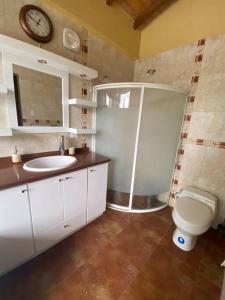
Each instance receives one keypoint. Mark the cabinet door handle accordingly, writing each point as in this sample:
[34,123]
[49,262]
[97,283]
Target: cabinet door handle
[67,178]
[61,179]
[23,191]
[92,170]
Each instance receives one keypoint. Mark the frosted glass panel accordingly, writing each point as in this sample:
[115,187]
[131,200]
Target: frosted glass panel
[116,121]
[161,121]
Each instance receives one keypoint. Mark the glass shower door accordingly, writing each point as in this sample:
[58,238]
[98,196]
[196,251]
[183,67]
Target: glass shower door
[161,120]
[116,125]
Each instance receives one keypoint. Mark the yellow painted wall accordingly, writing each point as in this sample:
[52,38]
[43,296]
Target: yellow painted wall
[110,23]
[184,22]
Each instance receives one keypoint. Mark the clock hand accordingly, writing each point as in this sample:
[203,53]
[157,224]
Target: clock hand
[33,19]
[38,23]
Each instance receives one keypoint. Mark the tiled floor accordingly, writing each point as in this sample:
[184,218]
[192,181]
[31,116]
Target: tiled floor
[121,256]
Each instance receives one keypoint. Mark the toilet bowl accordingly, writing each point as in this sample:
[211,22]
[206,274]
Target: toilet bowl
[193,214]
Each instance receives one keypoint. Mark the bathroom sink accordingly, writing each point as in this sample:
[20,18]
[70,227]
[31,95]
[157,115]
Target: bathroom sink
[49,163]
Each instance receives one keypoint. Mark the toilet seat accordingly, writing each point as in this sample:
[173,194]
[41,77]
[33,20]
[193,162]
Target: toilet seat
[192,216]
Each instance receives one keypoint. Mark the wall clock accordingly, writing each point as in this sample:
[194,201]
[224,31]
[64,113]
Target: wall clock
[36,23]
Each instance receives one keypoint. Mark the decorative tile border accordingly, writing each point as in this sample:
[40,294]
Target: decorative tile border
[84,48]
[206,143]
[84,92]
[198,58]
[201,42]
[191,99]
[38,122]
[84,111]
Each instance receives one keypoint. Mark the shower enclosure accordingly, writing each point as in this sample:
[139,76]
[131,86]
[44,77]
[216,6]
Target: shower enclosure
[138,127]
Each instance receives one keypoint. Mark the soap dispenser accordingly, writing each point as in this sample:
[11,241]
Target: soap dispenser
[16,158]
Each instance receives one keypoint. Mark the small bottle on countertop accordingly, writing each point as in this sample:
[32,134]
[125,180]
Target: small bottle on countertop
[16,158]
[71,151]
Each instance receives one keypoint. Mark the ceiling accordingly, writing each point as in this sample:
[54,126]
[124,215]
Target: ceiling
[142,11]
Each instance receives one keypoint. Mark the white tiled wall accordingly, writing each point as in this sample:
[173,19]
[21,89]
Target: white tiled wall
[202,159]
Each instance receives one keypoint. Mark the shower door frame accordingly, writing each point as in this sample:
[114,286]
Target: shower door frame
[142,87]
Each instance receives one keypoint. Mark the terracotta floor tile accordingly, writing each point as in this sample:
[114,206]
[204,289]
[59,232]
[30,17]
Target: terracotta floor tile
[104,277]
[142,289]
[204,290]
[84,243]
[210,265]
[152,226]
[112,223]
[168,273]
[211,237]
[165,215]
[82,284]
[136,244]
[113,269]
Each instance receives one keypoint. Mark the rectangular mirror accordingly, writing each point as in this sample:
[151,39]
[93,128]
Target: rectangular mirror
[3,103]
[38,97]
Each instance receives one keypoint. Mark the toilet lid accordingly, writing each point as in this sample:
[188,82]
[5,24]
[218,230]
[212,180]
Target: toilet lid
[193,211]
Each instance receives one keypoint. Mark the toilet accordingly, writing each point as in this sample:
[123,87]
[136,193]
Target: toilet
[193,214]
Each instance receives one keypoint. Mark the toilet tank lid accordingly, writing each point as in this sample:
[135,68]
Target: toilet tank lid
[199,194]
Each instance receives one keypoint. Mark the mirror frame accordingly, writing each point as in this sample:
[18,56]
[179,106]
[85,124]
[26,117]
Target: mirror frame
[8,60]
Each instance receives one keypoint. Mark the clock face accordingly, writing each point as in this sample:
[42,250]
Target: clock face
[36,23]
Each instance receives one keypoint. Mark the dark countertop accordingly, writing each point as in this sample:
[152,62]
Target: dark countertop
[13,174]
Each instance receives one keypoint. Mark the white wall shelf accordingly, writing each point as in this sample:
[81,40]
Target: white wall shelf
[6,132]
[82,102]
[42,129]
[82,131]
[39,129]
[3,89]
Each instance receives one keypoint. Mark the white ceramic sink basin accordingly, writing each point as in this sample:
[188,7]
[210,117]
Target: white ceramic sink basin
[49,163]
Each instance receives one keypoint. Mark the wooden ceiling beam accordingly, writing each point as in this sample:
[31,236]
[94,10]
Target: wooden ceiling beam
[109,2]
[156,7]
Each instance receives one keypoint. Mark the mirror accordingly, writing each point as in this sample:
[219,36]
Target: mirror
[3,101]
[38,97]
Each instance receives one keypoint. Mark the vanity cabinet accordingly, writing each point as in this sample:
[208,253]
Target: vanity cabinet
[16,238]
[97,188]
[35,216]
[58,207]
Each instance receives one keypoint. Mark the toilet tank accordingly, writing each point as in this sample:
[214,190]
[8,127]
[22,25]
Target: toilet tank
[200,195]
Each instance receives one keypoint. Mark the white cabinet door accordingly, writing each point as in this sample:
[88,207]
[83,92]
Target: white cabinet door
[97,188]
[75,200]
[46,200]
[16,239]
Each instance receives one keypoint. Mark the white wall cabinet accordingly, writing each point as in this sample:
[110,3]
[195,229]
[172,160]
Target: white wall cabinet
[36,216]
[16,238]
[97,188]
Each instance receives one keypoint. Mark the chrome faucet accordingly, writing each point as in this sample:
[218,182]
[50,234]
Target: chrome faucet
[62,146]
